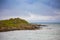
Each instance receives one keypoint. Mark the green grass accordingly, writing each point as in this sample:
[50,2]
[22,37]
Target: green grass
[13,22]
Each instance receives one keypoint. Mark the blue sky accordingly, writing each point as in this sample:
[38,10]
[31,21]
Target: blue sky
[31,10]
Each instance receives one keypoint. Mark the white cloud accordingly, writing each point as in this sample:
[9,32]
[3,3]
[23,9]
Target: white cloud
[34,17]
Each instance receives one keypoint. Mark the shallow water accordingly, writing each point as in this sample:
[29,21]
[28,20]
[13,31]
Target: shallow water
[49,32]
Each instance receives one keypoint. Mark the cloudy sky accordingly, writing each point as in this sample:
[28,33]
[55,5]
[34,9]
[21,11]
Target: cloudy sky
[31,10]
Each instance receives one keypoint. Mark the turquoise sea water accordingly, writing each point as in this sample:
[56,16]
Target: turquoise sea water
[49,32]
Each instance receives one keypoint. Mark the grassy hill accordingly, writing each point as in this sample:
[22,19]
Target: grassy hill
[12,22]
[15,24]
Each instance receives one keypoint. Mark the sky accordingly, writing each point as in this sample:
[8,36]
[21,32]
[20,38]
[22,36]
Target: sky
[31,10]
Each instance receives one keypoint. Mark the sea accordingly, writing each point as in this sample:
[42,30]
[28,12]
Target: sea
[48,32]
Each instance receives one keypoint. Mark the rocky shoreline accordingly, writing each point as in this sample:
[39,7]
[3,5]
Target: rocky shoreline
[17,24]
[23,27]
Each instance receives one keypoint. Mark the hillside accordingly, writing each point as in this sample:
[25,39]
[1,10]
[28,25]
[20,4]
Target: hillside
[16,24]
[12,22]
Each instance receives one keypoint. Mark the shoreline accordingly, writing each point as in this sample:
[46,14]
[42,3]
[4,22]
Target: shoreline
[17,24]
[28,27]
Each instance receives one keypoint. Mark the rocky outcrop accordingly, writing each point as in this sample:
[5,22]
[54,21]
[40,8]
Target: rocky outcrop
[21,27]
[17,24]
